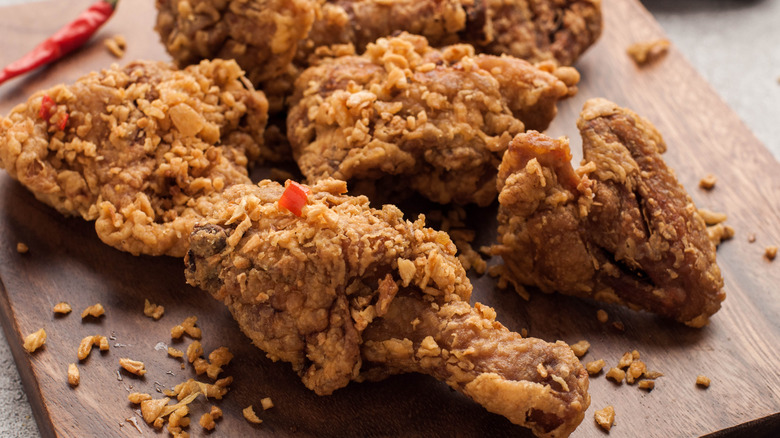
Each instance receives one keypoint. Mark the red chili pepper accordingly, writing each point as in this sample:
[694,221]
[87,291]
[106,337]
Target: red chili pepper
[295,196]
[67,39]
[46,105]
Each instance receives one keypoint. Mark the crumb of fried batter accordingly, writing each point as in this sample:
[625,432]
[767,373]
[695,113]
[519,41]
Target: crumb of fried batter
[616,374]
[602,316]
[718,233]
[216,412]
[267,403]
[22,248]
[133,366]
[651,375]
[703,381]
[218,358]
[137,397]
[594,367]
[173,352]
[708,182]
[86,344]
[116,45]
[152,310]
[605,417]
[619,326]
[194,351]
[580,348]
[34,340]
[207,421]
[62,308]
[188,327]
[751,238]
[249,414]
[646,52]
[711,217]
[635,371]
[73,375]
[770,252]
[626,360]
[95,310]
[646,384]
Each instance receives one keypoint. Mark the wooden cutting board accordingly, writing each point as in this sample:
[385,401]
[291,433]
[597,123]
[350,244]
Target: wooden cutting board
[67,262]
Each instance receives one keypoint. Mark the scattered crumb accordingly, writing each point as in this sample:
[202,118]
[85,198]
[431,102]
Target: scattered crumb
[188,327]
[178,419]
[207,422]
[116,45]
[770,252]
[616,374]
[626,360]
[134,422]
[635,355]
[153,310]
[34,341]
[22,248]
[73,375]
[218,358]
[174,352]
[635,371]
[85,346]
[711,217]
[133,366]
[216,412]
[653,374]
[605,417]
[63,308]
[524,333]
[602,316]
[250,415]
[267,403]
[708,182]
[646,52]
[595,367]
[580,348]
[194,351]
[703,381]
[216,390]
[751,238]
[618,325]
[647,384]
[719,232]
[137,397]
[95,310]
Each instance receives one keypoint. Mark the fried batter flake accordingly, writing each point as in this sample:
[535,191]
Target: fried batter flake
[34,340]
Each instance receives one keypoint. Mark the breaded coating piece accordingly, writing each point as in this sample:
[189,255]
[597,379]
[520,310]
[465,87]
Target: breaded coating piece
[536,30]
[437,121]
[137,149]
[261,35]
[347,292]
[620,229]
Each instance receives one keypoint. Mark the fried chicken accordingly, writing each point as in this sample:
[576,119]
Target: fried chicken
[137,149]
[437,121]
[347,292]
[618,229]
[536,30]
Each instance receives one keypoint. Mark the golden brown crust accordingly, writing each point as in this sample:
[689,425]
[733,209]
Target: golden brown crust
[438,121]
[141,146]
[619,229]
[347,292]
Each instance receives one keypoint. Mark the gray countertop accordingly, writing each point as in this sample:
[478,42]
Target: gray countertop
[734,44]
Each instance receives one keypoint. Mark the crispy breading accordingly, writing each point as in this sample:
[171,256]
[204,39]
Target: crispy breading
[325,292]
[137,149]
[436,121]
[620,229]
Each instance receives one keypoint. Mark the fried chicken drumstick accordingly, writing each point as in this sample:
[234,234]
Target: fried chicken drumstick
[347,292]
[619,229]
[137,149]
[437,121]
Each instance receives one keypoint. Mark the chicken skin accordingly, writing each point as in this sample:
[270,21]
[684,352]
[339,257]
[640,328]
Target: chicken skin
[137,149]
[436,121]
[618,229]
[346,292]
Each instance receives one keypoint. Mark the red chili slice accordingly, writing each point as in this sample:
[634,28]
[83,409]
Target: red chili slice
[295,196]
[46,105]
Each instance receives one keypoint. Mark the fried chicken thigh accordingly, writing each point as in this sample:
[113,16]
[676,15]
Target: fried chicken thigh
[347,292]
[618,229]
[437,121]
[137,149]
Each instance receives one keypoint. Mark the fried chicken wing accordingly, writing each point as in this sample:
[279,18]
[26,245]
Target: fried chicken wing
[347,292]
[137,149]
[619,229]
[437,121]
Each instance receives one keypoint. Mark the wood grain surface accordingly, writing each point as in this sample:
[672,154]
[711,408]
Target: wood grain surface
[738,351]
